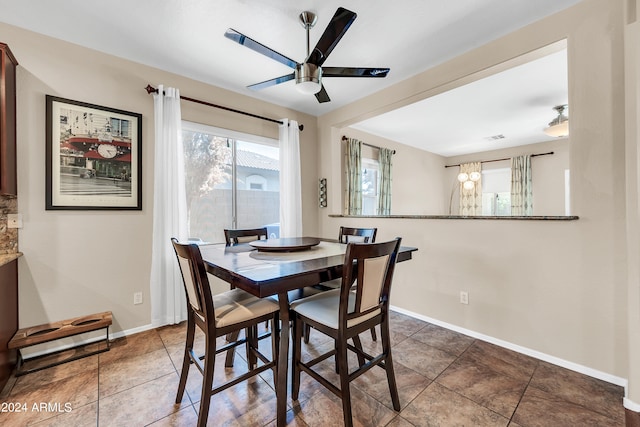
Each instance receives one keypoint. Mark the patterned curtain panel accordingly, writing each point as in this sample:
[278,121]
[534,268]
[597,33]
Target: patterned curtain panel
[354,177]
[471,198]
[521,186]
[384,200]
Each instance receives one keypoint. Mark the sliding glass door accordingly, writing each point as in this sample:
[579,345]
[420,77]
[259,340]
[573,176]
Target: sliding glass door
[233,181]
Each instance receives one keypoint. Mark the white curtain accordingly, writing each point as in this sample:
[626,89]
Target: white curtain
[168,304]
[521,186]
[290,186]
[471,198]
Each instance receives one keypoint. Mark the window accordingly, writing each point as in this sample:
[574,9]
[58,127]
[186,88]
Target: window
[370,192]
[232,180]
[496,192]
[256,182]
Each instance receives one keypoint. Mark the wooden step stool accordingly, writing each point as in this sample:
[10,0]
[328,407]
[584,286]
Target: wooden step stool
[47,332]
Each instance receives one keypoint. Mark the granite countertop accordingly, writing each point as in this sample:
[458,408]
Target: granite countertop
[7,258]
[470,217]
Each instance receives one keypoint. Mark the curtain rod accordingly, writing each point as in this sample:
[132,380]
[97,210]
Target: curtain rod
[499,160]
[150,89]
[344,138]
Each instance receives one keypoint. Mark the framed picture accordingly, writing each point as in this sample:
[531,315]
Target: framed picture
[94,157]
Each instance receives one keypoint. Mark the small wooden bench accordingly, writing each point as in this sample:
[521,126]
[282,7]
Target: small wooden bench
[47,332]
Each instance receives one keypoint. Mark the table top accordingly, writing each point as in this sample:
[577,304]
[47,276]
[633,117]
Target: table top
[269,273]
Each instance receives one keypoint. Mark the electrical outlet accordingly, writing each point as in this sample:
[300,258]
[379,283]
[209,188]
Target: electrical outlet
[14,221]
[137,298]
[464,297]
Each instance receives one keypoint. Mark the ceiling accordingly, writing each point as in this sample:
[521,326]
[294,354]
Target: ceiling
[186,37]
[507,109]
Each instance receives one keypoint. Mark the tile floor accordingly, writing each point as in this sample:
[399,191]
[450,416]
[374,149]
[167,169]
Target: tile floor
[444,379]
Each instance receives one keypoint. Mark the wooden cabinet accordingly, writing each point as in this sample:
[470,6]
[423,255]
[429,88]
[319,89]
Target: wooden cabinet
[8,64]
[8,318]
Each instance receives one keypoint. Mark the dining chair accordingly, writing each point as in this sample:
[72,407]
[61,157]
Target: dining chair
[343,314]
[350,234]
[219,315]
[236,236]
[347,235]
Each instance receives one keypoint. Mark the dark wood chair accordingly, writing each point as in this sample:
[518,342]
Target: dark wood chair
[347,235]
[238,236]
[361,303]
[233,237]
[219,315]
[363,235]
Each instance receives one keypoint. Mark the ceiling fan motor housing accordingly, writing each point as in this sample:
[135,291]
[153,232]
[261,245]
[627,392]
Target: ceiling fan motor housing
[308,75]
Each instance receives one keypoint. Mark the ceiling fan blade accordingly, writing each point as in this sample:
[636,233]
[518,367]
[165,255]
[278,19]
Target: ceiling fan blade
[259,47]
[272,82]
[339,25]
[322,96]
[354,72]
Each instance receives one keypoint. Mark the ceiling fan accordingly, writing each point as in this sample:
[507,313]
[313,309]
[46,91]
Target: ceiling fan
[308,75]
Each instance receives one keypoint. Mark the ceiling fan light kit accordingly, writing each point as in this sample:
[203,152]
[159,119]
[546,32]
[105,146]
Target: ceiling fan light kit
[308,74]
[559,126]
[308,77]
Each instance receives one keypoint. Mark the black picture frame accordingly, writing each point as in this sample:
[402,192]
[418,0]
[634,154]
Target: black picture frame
[93,157]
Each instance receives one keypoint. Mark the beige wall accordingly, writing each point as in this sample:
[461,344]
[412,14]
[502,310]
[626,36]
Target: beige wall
[558,288]
[81,262]
[632,160]
[418,185]
[547,171]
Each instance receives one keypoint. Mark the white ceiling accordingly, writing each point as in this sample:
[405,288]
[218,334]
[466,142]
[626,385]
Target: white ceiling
[186,37]
[516,104]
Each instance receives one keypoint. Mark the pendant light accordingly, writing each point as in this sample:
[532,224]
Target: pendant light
[559,126]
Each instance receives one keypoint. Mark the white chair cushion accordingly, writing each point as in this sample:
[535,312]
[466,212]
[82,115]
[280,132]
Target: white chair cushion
[333,284]
[354,239]
[237,306]
[323,308]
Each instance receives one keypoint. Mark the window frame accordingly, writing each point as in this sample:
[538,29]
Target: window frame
[232,137]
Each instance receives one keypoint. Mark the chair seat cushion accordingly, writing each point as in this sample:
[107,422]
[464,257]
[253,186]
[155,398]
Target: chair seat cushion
[237,306]
[323,308]
[331,284]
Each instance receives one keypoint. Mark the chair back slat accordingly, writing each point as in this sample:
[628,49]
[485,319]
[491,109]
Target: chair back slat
[234,237]
[195,280]
[190,286]
[372,264]
[373,275]
[357,235]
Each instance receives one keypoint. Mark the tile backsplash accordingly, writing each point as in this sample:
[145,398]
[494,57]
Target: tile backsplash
[8,236]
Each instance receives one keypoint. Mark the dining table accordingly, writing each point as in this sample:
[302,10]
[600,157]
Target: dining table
[278,267]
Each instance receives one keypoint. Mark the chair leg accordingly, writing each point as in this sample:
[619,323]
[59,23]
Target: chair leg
[232,336]
[186,360]
[252,343]
[388,364]
[358,344]
[373,334]
[345,393]
[306,333]
[275,344]
[207,382]
[297,344]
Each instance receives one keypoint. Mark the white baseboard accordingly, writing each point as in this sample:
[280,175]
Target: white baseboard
[622,382]
[631,405]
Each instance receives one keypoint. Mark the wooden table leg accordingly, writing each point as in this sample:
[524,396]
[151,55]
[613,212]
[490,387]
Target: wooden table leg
[283,361]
